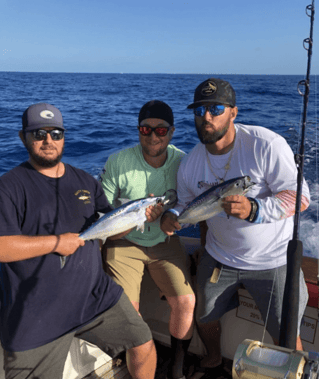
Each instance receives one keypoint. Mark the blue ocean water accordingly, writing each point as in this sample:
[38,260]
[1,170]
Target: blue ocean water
[100,112]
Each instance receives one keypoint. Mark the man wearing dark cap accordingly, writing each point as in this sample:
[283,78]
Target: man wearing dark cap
[150,168]
[247,243]
[53,286]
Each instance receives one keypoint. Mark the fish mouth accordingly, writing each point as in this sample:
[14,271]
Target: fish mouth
[171,197]
[161,200]
[249,183]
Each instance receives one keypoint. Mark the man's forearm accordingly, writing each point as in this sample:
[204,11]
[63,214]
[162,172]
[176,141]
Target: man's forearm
[20,247]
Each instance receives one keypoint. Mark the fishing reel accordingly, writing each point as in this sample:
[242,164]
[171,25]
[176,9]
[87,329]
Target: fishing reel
[254,359]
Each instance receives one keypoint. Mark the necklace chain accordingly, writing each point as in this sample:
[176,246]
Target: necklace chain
[226,167]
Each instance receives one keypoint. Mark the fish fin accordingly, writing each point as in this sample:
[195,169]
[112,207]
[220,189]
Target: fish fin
[141,222]
[204,186]
[123,201]
[141,227]
[100,214]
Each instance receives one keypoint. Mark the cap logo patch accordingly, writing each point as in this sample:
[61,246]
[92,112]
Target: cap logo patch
[47,114]
[209,89]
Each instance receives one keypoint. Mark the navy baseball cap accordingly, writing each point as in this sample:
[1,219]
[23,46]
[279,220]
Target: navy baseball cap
[216,91]
[41,115]
[156,109]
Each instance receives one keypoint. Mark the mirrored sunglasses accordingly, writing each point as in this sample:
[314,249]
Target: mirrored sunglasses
[160,131]
[41,134]
[214,110]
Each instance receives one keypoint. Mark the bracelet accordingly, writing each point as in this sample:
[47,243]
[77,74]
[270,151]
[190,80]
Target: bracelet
[253,210]
[171,210]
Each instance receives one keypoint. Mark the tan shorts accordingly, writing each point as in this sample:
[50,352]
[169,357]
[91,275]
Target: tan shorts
[167,263]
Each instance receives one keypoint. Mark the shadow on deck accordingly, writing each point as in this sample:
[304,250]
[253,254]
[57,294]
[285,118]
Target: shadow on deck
[163,359]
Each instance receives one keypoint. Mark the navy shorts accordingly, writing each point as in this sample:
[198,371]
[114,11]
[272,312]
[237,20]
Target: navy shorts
[215,299]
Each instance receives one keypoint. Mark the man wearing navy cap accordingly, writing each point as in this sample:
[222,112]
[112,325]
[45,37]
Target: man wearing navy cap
[53,287]
[247,243]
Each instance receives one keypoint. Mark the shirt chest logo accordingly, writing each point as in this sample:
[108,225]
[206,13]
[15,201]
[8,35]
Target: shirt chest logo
[83,195]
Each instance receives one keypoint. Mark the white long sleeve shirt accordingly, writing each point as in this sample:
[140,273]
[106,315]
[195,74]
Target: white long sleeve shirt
[267,158]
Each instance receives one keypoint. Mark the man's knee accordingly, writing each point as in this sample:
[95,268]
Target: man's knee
[182,303]
[142,351]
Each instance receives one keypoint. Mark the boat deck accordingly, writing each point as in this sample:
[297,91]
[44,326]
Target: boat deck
[163,359]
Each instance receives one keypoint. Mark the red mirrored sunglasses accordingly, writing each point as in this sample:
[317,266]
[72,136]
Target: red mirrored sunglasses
[160,131]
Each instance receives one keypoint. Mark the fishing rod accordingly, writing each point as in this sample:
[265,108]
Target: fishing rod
[289,317]
[254,359]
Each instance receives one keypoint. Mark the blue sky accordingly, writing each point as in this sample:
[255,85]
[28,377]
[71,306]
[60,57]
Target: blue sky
[165,36]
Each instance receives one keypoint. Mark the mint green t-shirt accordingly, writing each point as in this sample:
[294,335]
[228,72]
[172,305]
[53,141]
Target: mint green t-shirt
[127,175]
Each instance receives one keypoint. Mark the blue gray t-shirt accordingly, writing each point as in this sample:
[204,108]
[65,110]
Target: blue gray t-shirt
[40,301]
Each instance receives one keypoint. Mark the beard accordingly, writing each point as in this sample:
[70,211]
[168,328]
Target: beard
[209,138]
[155,150]
[42,161]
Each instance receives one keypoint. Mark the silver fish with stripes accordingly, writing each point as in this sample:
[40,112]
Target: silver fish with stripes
[208,204]
[121,219]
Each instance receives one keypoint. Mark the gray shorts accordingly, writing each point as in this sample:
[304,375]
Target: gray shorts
[119,328]
[215,299]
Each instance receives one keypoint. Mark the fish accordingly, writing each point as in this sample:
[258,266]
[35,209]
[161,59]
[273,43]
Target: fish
[208,204]
[129,215]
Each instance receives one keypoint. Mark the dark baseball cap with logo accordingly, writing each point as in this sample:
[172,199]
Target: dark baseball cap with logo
[41,115]
[216,91]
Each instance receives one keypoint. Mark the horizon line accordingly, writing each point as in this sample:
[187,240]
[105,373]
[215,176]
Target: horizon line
[140,73]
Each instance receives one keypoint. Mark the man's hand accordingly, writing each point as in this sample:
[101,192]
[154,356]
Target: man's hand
[237,206]
[68,243]
[169,223]
[153,212]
